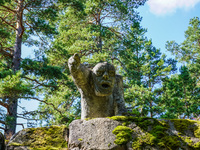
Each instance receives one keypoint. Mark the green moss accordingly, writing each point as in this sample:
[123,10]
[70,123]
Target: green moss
[140,142]
[170,142]
[86,119]
[80,139]
[127,118]
[109,144]
[187,140]
[123,135]
[197,145]
[142,122]
[182,125]
[167,142]
[49,148]
[15,144]
[156,132]
[197,130]
[44,138]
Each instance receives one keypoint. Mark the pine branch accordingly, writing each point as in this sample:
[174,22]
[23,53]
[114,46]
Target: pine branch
[45,103]
[9,9]
[2,122]
[40,84]
[4,105]
[123,66]
[21,124]
[9,24]
[2,128]
[6,54]
[26,118]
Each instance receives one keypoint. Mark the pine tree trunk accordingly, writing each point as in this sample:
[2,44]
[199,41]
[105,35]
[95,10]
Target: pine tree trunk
[11,121]
[13,101]
[18,41]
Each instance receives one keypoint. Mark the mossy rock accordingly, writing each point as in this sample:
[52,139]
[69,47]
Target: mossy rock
[123,135]
[127,132]
[42,138]
[150,133]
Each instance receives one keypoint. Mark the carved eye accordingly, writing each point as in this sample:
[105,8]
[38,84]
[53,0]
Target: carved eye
[111,73]
[99,73]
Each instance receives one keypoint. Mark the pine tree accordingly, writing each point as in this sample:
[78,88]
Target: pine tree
[180,96]
[143,68]
[20,21]
[188,51]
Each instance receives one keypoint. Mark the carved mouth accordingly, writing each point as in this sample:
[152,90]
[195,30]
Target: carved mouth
[104,85]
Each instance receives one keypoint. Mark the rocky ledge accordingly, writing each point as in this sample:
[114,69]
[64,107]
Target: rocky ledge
[114,133]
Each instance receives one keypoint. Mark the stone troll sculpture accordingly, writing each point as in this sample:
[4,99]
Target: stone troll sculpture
[100,88]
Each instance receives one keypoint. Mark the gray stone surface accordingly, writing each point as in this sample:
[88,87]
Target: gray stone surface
[95,134]
[2,142]
[100,88]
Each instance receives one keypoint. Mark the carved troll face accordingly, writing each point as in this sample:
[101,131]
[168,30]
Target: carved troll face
[104,79]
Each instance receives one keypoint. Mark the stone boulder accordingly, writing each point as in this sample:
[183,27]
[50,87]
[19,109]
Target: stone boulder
[114,133]
[42,138]
[133,133]
[2,142]
[93,134]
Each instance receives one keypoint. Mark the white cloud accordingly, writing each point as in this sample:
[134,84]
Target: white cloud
[162,7]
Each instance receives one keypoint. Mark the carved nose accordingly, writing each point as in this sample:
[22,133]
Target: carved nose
[105,75]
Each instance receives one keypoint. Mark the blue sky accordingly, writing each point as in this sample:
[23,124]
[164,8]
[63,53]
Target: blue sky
[165,20]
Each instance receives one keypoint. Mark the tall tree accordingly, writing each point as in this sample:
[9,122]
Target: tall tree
[188,51]
[20,21]
[155,68]
[94,31]
[143,68]
[180,96]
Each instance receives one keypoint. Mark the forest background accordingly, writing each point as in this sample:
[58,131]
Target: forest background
[108,30]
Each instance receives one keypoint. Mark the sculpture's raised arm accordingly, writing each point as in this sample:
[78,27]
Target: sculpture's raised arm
[78,71]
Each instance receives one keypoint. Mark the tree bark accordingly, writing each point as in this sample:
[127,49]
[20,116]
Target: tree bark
[11,121]
[19,33]
[10,128]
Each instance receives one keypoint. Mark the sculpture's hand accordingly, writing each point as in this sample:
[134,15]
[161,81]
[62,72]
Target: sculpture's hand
[74,62]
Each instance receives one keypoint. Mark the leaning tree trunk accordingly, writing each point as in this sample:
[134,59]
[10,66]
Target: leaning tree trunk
[13,101]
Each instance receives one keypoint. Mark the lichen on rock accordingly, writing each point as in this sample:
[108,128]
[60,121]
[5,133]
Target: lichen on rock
[42,138]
